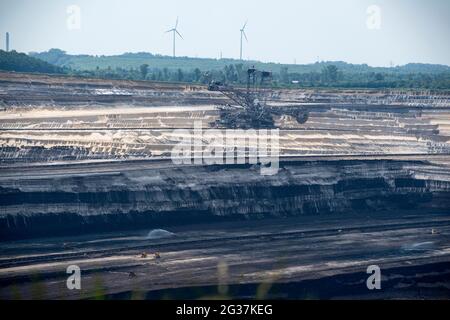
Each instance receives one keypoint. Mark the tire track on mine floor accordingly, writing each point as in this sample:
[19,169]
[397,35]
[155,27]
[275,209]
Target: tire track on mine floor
[206,242]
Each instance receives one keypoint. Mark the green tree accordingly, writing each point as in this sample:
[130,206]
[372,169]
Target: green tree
[230,73]
[241,73]
[284,75]
[144,70]
[180,75]
[166,74]
[330,73]
[379,76]
[197,74]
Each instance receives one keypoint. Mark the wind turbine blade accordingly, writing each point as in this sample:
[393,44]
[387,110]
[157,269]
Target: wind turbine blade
[245,24]
[176,24]
[245,35]
[170,30]
[179,34]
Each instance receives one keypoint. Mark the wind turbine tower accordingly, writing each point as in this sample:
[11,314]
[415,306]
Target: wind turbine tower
[175,33]
[243,34]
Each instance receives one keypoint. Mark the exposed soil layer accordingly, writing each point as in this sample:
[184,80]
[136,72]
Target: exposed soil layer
[73,199]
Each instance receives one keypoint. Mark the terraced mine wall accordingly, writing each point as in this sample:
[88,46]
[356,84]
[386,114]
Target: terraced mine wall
[23,91]
[80,203]
[87,155]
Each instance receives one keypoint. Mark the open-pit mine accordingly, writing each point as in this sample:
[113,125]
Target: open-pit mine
[87,179]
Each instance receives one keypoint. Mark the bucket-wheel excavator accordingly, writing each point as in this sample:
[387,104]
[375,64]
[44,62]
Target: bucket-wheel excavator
[249,108]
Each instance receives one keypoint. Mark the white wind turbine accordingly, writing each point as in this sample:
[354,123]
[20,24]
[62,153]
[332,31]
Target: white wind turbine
[175,32]
[243,34]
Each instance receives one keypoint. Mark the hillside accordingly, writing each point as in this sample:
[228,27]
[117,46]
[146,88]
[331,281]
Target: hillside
[135,60]
[20,62]
[146,66]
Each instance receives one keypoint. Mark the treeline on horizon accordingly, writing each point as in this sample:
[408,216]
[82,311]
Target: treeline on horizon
[20,62]
[236,74]
[326,75]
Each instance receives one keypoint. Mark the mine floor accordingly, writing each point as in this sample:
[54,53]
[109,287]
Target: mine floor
[302,257]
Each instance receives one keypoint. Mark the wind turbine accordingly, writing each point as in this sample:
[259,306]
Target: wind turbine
[243,34]
[175,32]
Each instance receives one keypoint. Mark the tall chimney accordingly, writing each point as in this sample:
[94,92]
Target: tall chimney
[7,41]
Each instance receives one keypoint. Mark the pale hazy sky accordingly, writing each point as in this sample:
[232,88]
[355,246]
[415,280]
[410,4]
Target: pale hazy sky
[278,30]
